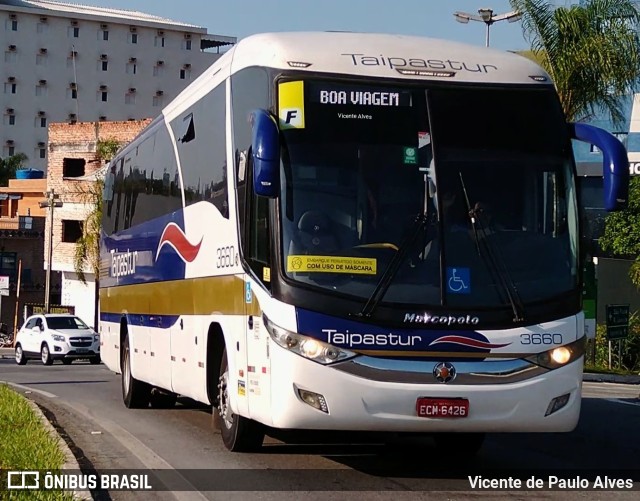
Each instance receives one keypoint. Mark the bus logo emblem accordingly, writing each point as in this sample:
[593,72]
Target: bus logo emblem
[444,372]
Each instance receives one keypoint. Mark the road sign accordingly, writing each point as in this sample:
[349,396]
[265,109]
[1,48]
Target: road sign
[4,282]
[617,321]
[4,292]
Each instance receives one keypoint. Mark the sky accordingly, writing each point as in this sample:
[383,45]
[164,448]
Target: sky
[241,18]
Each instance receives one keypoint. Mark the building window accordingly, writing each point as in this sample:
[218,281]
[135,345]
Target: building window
[183,74]
[130,98]
[41,27]
[43,152]
[41,59]
[41,90]
[186,44]
[43,122]
[73,32]
[12,25]
[10,88]
[10,56]
[73,167]
[158,70]
[103,96]
[133,38]
[104,65]
[8,264]
[132,68]
[104,35]
[71,230]
[11,119]
[9,151]
[158,41]
[72,93]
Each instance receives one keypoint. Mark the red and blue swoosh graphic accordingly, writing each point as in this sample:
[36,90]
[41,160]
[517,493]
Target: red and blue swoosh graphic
[467,341]
[174,237]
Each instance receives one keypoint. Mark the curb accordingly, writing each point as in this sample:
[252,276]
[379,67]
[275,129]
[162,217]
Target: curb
[610,378]
[70,463]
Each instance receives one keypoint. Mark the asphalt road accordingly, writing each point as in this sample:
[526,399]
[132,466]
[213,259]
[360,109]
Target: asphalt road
[85,403]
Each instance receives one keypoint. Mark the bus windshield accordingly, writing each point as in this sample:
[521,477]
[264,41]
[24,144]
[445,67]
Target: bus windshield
[487,174]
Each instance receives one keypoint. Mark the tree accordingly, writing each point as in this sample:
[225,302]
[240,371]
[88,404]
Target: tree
[9,166]
[622,231]
[87,252]
[591,51]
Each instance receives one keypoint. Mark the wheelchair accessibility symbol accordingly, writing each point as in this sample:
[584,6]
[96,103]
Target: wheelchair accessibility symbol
[459,280]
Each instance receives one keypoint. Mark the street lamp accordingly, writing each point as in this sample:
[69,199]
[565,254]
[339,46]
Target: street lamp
[53,200]
[487,17]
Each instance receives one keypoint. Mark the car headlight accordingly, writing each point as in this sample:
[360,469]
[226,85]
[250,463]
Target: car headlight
[58,337]
[306,346]
[96,338]
[559,356]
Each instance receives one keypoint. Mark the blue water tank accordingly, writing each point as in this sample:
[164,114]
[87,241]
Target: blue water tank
[29,174]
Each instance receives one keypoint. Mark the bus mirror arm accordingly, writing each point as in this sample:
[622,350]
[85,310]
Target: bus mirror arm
[615,167]
[265,149]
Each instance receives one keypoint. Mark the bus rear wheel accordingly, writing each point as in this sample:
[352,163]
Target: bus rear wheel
[239,434]
[135,394]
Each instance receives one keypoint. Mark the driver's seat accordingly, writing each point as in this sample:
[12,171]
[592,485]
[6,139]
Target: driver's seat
[316,234]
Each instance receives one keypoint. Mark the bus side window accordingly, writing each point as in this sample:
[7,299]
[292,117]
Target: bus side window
[256,245]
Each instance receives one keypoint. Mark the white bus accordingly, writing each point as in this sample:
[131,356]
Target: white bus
[339,231]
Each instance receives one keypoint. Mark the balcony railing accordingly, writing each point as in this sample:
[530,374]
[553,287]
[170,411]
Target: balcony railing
[22,227]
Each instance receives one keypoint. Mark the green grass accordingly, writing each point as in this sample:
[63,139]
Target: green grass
[600,370]
[25,444]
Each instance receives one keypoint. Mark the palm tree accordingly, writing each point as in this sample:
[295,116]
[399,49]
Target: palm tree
[591,51]
[9,166]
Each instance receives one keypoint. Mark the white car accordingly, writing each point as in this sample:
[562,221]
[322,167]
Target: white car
[52,337]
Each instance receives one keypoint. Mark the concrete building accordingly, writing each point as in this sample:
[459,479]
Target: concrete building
[22,236]
[71,171]
[64,62]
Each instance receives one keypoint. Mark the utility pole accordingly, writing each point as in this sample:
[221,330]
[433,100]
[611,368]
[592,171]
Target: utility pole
[52,201]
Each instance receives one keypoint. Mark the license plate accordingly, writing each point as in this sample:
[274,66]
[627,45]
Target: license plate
[82,350]
[442,407]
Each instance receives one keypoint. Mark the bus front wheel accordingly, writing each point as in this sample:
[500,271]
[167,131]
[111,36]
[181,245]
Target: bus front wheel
[135,394]
[239,434]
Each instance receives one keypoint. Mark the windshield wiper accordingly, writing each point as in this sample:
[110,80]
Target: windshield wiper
[492,258]
[394,266]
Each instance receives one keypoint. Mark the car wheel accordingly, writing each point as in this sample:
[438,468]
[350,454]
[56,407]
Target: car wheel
[67,361]
[45,355]
[20,358]
[135,394]
[239,434]
[94,360]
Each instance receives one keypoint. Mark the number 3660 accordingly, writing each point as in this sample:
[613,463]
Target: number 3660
[224,257]
[545,338]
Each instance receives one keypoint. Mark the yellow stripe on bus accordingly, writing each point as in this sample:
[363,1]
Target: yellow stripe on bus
[196,296]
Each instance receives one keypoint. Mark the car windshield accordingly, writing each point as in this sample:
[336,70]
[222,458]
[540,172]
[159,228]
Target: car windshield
[358,169]
[58,323]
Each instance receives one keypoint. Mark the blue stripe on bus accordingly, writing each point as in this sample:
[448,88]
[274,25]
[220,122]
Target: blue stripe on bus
[155,321]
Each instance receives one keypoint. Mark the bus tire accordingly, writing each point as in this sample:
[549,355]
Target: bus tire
[464,444]
[239,434]
[135,394]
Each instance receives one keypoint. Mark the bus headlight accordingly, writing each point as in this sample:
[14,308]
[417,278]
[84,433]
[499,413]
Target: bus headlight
[559,356]
[306,346]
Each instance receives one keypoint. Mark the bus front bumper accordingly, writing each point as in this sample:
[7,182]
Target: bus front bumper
[356,402]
